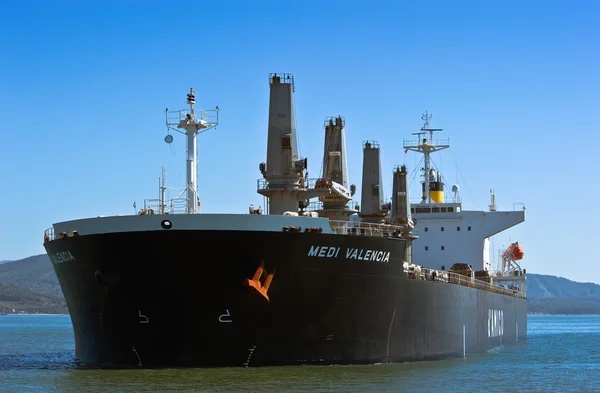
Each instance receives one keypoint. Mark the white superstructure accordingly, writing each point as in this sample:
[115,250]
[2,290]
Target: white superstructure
[447,233]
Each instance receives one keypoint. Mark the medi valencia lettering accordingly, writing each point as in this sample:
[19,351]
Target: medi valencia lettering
[350,253]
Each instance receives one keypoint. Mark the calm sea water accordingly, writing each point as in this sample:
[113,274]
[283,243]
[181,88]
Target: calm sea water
[561,354]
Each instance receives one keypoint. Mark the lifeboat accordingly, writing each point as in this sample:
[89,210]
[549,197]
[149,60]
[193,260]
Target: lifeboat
[515,251]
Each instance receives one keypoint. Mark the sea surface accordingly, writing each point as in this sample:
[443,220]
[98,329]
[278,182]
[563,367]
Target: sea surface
[560,354]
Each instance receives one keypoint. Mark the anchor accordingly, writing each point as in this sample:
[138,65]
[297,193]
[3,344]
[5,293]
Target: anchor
[255,284]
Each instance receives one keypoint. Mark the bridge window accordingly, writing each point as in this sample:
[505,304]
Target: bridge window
[469,228]
[442,248]
[426,248]
[426,229]
[458,228]
[442,229]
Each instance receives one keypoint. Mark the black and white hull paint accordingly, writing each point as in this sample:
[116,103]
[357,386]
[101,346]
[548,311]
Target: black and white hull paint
[141,297]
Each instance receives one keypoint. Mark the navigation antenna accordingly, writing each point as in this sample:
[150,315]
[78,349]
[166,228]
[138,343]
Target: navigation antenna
[191,122]
[426,145]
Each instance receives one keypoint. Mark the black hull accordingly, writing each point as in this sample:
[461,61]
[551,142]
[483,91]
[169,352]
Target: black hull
[150,299]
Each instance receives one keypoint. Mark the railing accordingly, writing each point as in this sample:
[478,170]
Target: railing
[208,117]
[419,273]
[366,229]
[321,183]
[518,206]
[49,235]
[318,205]
[431,142]
[333,119]
[262,184]
[283,78]
[371,144]
[172,206]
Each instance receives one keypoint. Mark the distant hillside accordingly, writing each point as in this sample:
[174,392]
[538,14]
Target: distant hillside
[34,273]
[540,286]
[558,295]
[545,294]
[14,299]
[4,261]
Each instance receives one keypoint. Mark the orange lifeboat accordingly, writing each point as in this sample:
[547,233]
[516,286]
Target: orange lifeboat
[516,251]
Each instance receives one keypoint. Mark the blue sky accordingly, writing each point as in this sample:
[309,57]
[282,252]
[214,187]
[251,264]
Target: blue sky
[514,85]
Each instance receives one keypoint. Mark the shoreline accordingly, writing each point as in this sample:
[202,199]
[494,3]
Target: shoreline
[28,314]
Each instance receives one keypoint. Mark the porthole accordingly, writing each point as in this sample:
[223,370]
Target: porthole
[166,224]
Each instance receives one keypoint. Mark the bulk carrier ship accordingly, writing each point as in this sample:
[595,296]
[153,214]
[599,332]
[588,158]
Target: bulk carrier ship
[323,282]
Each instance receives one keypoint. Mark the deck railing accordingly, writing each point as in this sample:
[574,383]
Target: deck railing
[310,183]
[454,278]
[366,229]
[49,235]
[171,206]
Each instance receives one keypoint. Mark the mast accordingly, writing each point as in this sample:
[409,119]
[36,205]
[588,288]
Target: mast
[192,122]
[426,145]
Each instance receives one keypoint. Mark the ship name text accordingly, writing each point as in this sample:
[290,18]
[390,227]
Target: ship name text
[61,257]
[350,253]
